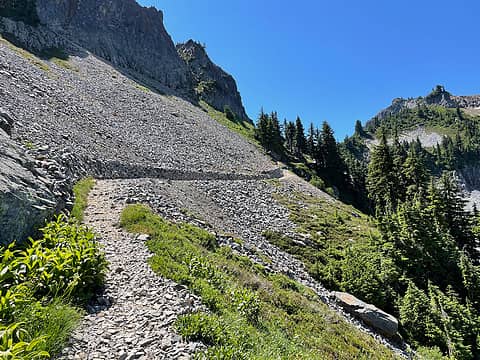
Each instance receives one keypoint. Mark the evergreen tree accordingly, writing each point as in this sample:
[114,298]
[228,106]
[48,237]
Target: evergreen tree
[333,166]
[359,129]
[414,172]
[311,141]
[381,179]
[290,136]
[300,141]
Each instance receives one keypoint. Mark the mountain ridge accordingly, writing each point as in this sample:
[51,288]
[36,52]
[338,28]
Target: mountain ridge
[129,36]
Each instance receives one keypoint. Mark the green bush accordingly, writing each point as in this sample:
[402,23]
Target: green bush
[39,283]
[66,261]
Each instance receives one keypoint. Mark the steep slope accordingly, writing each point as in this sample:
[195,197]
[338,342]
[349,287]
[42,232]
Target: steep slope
[438,97]
[133,39]
[122,32]
[102,123]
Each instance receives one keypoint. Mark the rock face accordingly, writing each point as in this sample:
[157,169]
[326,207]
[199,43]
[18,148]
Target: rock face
[122,32]
[212,84]
[25,199]
[96,121]
[370,314]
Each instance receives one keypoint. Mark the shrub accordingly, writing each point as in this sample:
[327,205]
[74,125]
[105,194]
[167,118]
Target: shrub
[66,261]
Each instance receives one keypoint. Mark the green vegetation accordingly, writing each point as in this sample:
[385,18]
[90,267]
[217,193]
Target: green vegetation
[34,60]
[142,88]
[42,283]
[241,127]
[252,314]
[336,237]
[45,281]
[204,87]
[81,190]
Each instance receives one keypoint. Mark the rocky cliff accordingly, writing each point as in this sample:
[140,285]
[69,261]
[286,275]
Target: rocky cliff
[212,84]
[131,37]
[27,194]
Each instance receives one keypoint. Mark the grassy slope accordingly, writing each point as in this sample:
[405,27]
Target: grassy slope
[252,314]
[243,128]
[331,227]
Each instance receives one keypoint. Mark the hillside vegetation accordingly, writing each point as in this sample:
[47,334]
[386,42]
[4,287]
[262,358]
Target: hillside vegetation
[44,284]
[251,314]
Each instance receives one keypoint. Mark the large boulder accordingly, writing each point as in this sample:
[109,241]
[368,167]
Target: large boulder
[371,315]
[25,199]
[6,121]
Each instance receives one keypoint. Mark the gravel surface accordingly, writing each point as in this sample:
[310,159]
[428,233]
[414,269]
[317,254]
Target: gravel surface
[133,318]
[88,112]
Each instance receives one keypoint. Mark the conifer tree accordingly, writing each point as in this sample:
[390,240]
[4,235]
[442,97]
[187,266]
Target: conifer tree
[290,136]
[300,141]
[310,148]
[380,179]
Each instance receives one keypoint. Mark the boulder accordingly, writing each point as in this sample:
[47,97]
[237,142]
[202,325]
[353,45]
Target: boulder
[25,201]
[371,315]
[6,121]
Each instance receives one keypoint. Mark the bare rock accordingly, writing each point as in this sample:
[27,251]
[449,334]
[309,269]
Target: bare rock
[371,315]
[25,201]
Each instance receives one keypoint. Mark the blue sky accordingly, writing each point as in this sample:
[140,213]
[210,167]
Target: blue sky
[333,60]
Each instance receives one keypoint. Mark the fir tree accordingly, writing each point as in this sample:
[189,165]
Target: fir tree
[381,179]
[300,141]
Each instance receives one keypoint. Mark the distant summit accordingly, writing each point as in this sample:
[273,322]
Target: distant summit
[439,96]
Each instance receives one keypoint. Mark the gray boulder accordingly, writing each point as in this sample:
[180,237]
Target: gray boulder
[25,200]
[6,121]
[371,315]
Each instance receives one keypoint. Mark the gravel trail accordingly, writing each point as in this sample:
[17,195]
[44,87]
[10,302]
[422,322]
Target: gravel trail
[133,318]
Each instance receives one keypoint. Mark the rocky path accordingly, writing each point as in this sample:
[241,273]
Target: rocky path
[133,319]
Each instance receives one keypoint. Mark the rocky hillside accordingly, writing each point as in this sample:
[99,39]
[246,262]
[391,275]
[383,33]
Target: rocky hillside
[133,39]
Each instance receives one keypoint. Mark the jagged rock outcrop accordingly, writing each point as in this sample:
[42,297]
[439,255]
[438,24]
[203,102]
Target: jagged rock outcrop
[25,199]
[129,36]
[439,96]
[212,83]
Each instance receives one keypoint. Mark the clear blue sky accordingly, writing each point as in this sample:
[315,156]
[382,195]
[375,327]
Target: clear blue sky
[333,60]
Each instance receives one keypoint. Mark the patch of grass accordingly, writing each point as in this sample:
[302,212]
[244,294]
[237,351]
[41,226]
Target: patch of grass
[64,64]
[243,128]
[54,322]
[142,88]
[252,314]
[330,228]
[81,190]
[26,55]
